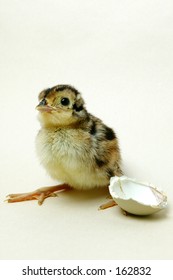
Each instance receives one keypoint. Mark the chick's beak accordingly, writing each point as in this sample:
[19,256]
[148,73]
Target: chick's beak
[43,102]
[43,107]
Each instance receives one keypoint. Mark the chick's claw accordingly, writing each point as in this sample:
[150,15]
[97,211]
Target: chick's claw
[40,194]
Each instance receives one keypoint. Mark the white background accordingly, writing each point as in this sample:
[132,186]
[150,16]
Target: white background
[119,55]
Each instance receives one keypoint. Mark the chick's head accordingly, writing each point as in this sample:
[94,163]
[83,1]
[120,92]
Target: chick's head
[61,105]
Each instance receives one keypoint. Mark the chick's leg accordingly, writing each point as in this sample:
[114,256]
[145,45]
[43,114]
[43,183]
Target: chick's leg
[39,194]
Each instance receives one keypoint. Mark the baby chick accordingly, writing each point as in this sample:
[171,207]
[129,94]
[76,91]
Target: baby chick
[74,146]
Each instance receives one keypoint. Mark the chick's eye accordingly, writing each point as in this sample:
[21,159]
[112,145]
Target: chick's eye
[65,101]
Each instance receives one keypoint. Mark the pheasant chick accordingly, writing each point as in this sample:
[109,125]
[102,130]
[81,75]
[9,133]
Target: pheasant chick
[74,146]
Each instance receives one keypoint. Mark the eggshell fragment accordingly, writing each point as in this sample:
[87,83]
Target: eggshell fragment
[136,197]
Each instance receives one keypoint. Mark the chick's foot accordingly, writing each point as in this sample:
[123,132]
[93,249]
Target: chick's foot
[108,204]
[39,194]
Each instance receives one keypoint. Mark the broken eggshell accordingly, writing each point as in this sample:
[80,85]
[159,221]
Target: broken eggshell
[136,197]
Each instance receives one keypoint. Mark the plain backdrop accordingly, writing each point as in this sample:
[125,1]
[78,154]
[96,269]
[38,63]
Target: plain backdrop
[119,55]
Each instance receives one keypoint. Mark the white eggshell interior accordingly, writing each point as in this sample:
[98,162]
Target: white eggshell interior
[136,197]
